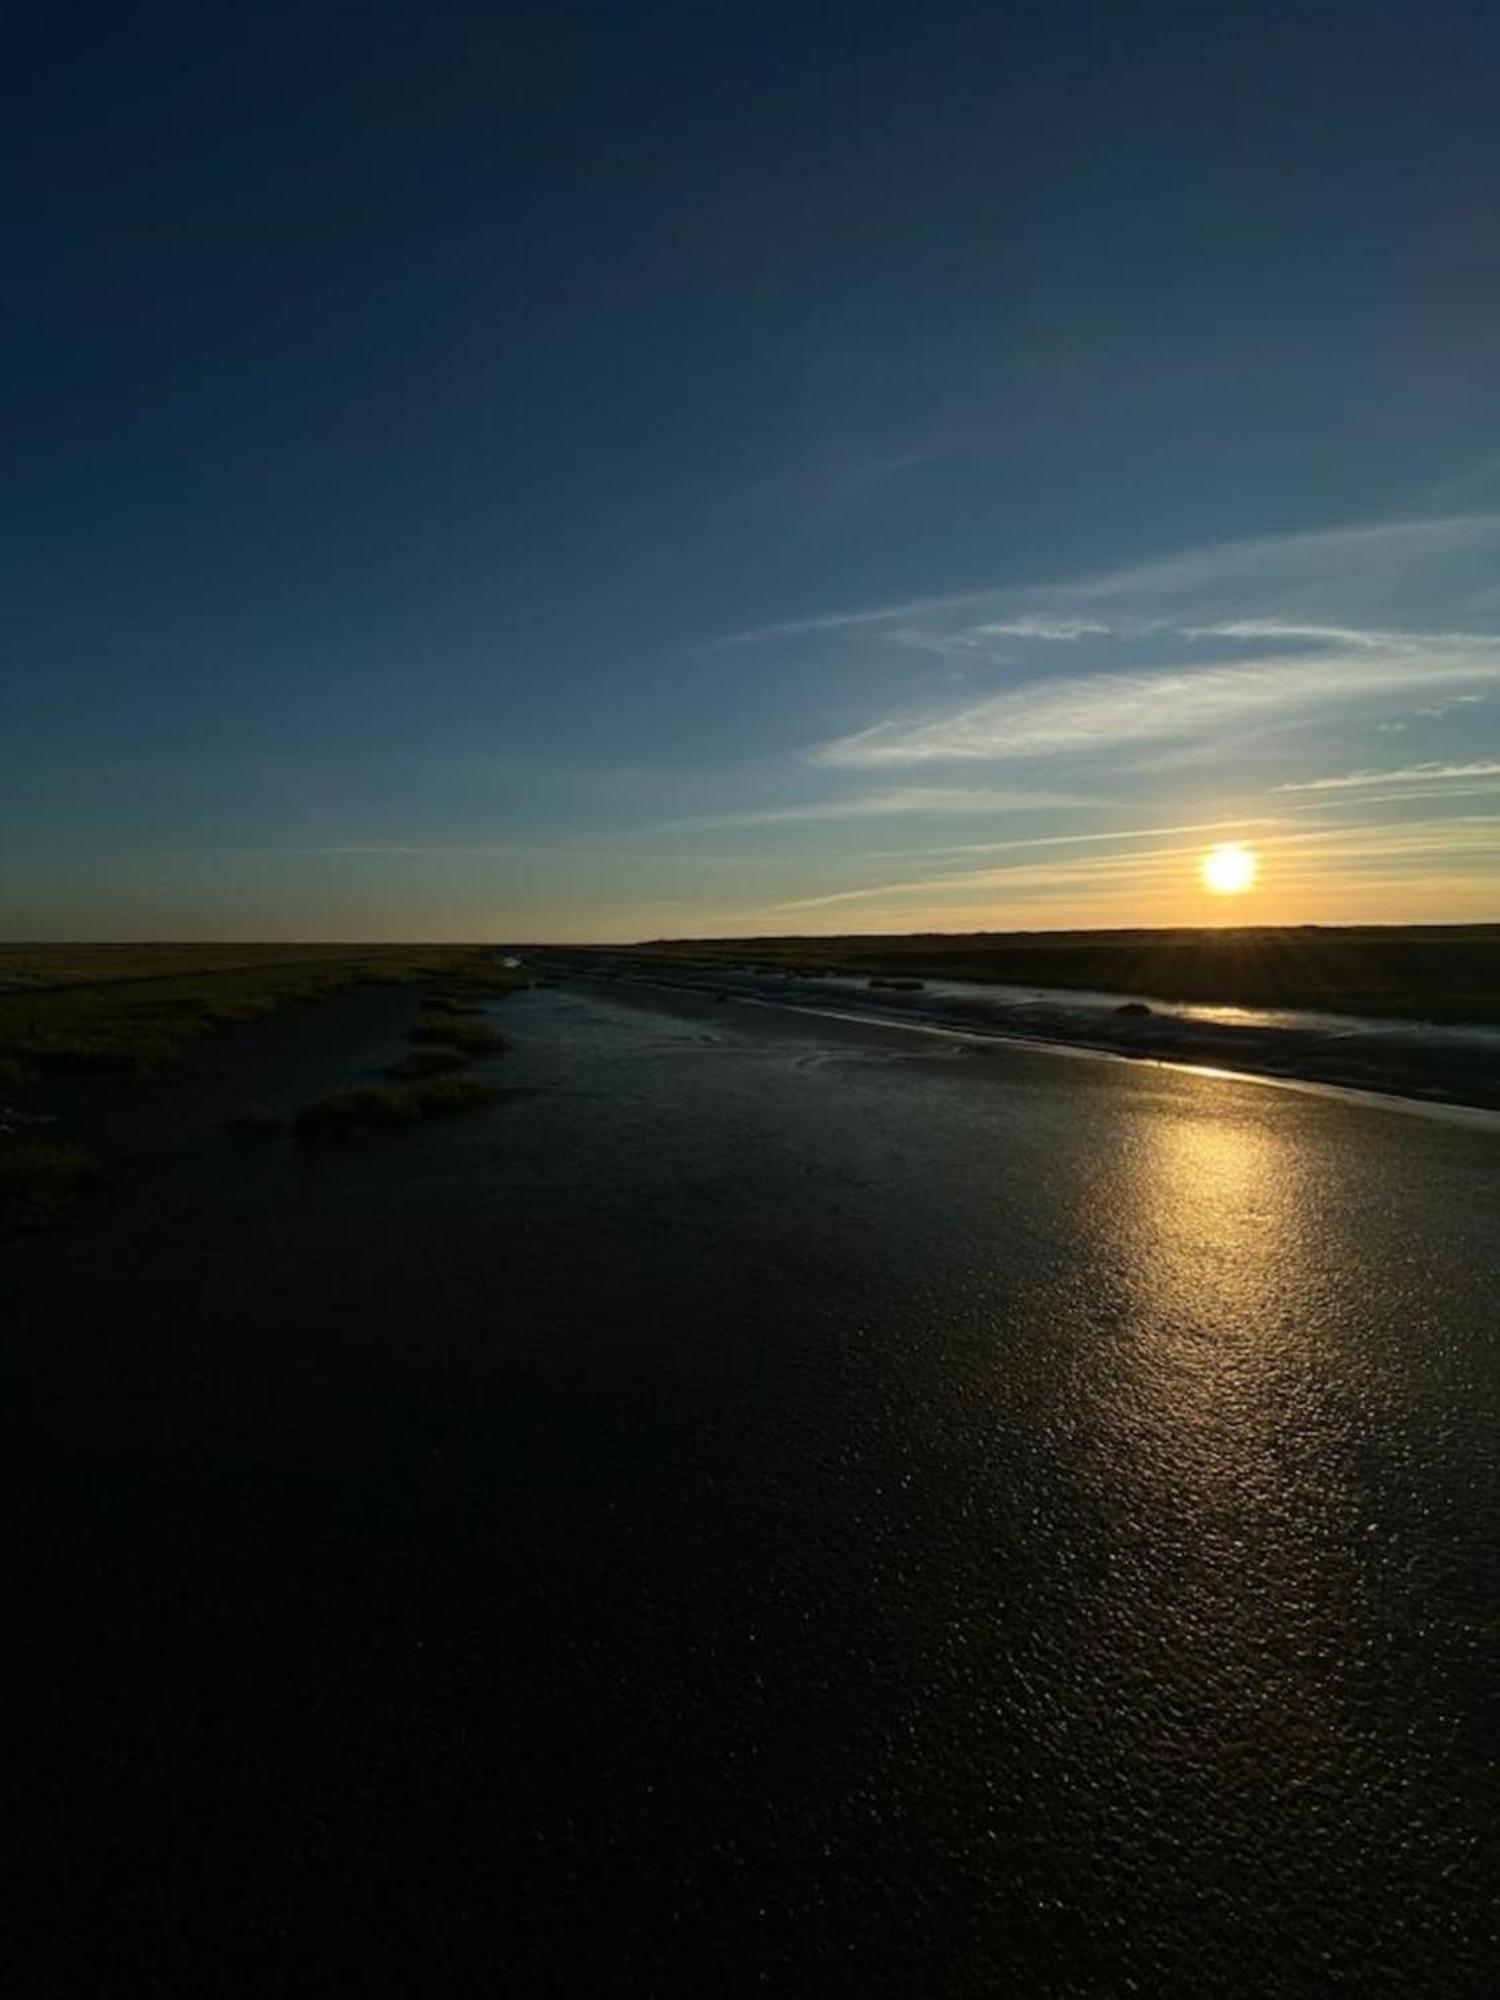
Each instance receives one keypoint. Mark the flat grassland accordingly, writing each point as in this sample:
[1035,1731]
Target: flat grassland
[74,1016]
[1448,973]
[80,1009]
[31,968]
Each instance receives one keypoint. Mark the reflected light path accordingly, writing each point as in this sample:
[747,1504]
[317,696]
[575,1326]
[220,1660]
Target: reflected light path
[1231,1428]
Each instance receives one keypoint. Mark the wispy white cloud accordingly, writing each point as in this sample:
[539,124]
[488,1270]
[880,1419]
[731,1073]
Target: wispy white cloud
[1209,675]
[1281,630]
[1298,576]
[1288,858]
[1104,711]
[1402,796]
[513,850]
[839,621]
[1413,774]
[1041,628]
[1237,825]
[870,473]
[1347,625]
[897,799]
[1331,579]
[1436,709]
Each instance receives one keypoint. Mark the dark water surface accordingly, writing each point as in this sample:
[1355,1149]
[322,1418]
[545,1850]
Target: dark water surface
[1454,1063]
[779,1506]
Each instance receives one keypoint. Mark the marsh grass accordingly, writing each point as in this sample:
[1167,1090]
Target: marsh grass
[256,1118]
[355,1111]
[430,1059]
[441,1096]
[342,1117]
[482,977]
[433,1079]
[40,1185]
[124,1018]
[36,968]
[469,1035]
[105,1010]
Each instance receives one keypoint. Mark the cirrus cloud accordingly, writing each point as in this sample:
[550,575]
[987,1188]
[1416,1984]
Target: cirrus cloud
[1412,774]
[880,805]
[1096,712]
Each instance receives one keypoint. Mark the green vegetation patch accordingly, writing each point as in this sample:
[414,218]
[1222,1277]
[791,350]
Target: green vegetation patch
[256,1118]
[483,977]
[95,1010]
[430,1059]
[467,1034]
[36,968]
[40,1185]
[448,1004]
[440,1096]
[355,1111]
[340,1117]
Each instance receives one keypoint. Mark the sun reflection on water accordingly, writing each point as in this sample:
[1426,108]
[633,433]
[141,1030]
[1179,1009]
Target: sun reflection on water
[1225,1425]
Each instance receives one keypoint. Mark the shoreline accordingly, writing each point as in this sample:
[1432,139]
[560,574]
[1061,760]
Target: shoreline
[1442,974]
[1394,1065]
[1479,1117]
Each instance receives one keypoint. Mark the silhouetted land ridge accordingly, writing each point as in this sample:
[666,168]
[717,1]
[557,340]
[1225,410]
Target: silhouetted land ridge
[1415,972]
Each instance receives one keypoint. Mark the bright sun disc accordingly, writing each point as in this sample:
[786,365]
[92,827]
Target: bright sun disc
[1229,870]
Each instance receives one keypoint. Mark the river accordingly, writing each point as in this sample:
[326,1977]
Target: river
[782,1505]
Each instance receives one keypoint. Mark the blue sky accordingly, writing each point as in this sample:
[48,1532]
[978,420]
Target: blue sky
[613,471]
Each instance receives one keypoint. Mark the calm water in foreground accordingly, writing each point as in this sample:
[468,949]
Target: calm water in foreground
[779,1506]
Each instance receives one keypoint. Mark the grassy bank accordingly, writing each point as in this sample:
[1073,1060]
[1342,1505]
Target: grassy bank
[434,1079]
[1440,973]
[42,1184]
[100,1009]
[360,1110]
[26,968]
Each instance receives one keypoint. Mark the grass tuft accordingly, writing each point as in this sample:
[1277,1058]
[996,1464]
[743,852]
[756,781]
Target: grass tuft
[354,1113]
[440,1096]
[430,1059]
[102,1010]
[40,1185]
[472,1036]
[256,1118]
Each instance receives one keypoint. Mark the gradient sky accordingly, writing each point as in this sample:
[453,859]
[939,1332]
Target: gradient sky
[606,471]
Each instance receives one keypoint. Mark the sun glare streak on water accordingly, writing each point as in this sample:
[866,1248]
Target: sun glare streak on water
[1249,1578]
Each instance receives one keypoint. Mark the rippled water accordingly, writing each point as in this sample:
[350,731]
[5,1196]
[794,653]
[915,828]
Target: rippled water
[1472,1036]
[1146,1529]
[792,1506]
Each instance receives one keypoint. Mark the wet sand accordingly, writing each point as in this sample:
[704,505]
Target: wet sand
[782,1505]
[1430,1061]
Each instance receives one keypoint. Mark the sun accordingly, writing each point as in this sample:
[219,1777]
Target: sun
[1229,870]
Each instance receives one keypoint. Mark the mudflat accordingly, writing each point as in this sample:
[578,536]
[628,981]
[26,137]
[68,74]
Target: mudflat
[1431,972]
[1456,1062]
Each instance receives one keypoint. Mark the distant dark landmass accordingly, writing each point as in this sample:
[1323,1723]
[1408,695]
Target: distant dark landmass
[1448,973]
